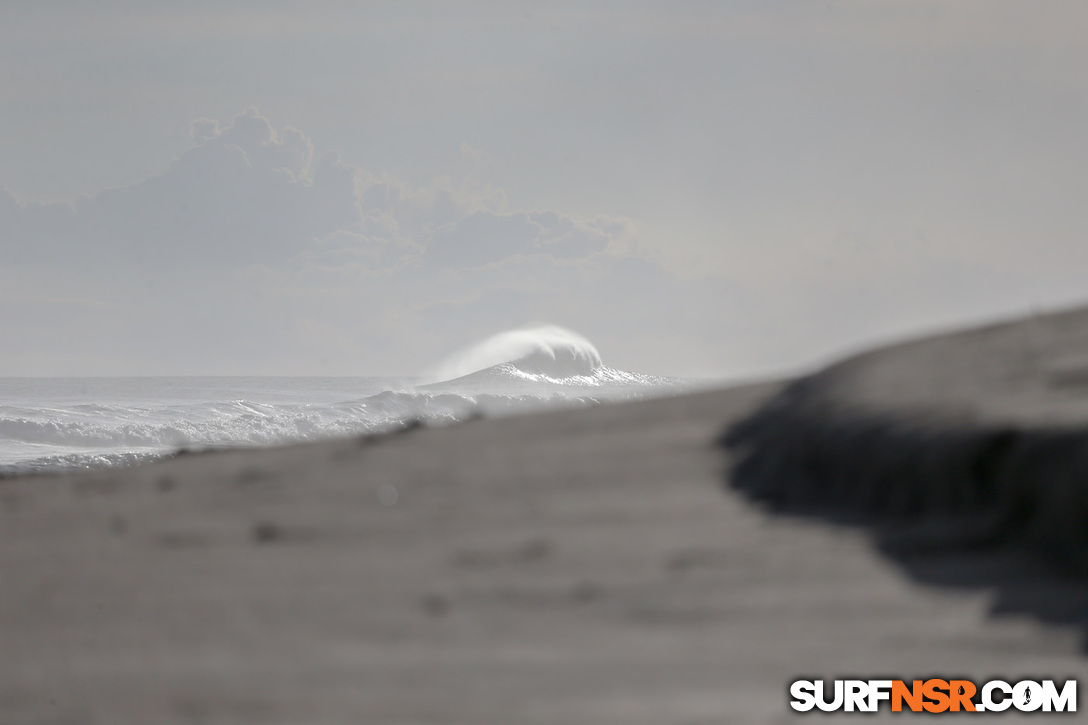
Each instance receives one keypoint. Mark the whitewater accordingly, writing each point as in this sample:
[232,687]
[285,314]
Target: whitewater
[54,424]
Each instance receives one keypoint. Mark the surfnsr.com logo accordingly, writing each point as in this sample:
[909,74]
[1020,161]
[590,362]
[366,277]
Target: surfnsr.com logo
[933,696]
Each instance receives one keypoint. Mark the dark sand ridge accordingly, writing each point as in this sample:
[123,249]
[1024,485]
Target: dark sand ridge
[975,442]
[570,567]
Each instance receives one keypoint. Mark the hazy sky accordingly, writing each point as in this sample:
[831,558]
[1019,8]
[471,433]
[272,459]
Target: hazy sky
[361,187]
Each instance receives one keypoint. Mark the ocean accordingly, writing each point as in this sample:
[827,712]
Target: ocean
[56,424]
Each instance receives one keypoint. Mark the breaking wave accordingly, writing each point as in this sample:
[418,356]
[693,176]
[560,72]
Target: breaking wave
[513,372]
[546,350]
[544,354]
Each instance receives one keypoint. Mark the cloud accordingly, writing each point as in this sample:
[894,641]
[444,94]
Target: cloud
[251,253]
[243,194]
[247,194]
[290,152]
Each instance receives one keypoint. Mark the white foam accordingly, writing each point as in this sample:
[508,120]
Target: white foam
[547,350]
[77,423]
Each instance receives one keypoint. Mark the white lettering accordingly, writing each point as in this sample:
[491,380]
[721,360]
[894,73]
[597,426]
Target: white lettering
[879,690]
[1066,701]
[834,704]
[1027,696]
[987,695]
[804,697]
[857,695]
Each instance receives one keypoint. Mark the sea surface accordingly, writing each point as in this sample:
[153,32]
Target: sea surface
[53,424]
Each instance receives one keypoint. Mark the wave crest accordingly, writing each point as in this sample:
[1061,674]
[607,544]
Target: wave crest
[547,350]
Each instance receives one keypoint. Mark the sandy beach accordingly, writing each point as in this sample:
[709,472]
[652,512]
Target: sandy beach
[583,566]
[566,363]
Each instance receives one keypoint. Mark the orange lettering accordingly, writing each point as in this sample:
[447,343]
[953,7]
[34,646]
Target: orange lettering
[913,697]
[932,690]
[961,692]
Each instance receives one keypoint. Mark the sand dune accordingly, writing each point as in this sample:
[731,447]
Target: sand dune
[975,439]
[576,567]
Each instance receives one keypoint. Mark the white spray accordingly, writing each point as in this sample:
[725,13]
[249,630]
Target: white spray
[538,349]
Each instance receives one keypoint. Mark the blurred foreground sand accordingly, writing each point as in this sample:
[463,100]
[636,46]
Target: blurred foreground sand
[583,566]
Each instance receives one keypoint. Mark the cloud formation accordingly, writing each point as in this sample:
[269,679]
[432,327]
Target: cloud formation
[253,254]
